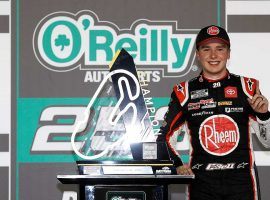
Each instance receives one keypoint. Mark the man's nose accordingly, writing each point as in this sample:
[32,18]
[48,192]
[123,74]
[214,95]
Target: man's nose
[213,54]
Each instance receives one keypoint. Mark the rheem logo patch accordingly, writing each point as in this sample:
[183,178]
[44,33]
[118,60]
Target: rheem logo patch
[213,30]
[219,135]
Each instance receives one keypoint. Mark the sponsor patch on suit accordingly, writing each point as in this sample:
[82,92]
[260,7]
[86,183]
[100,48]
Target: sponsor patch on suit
[199,93]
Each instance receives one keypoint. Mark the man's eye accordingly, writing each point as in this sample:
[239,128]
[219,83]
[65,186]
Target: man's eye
[221,49]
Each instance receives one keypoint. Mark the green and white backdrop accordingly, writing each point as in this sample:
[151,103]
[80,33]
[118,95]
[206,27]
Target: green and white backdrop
[45,85]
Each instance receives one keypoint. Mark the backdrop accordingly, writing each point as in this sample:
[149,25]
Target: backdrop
[54,54]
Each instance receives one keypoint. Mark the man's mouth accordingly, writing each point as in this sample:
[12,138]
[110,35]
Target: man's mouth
[213,62]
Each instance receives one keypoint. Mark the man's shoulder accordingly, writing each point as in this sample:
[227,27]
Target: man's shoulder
[181,91]
[248,84]
[237,76]
[184,85]
[234,75]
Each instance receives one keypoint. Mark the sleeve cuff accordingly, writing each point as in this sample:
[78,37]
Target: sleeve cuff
[263,116]
[177,162]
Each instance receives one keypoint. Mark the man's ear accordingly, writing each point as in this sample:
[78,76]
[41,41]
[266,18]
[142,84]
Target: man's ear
[197,55]
[229,55]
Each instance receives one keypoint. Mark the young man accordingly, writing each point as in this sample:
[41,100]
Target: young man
[217,108]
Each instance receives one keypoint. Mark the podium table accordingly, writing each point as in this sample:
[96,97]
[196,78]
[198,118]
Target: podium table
[118,187]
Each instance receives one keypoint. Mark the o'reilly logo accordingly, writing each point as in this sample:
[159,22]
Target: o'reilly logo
[64,41]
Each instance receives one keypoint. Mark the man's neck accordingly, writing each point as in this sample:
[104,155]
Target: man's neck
[215,77]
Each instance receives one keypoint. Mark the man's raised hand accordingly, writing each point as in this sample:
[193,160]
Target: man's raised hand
[258,103]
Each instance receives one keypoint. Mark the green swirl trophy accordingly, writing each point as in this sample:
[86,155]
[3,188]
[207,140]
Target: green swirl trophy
[116,115]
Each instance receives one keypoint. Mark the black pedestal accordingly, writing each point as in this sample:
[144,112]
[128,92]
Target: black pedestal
[124,192]
[124,187]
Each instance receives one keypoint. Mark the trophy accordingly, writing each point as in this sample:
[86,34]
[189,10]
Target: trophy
[116,115]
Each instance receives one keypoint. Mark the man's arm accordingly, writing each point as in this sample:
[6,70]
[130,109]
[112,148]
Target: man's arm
[173,120]
[260,104]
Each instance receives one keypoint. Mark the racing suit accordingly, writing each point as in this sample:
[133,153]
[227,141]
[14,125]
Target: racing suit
[218,118]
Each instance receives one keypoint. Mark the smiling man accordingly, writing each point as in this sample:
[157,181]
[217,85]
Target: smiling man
[217,107]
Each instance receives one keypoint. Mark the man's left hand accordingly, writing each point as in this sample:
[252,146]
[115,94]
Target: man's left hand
[258,103]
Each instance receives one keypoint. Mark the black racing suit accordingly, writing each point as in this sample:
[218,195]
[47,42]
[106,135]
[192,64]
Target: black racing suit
[218,117]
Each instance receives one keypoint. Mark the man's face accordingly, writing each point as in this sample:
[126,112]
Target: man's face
[213,58]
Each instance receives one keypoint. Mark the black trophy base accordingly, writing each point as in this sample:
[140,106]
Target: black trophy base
[124,192]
